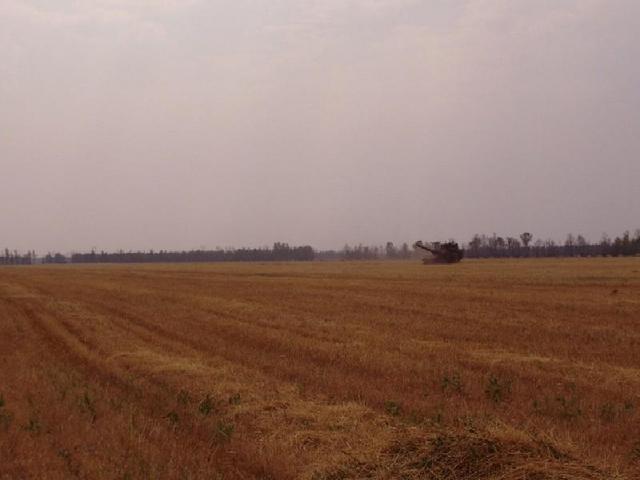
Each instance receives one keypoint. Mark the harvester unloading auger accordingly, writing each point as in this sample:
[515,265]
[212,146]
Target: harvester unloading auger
[448,252]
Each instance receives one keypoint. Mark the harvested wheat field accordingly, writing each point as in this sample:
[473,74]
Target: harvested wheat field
[506,370]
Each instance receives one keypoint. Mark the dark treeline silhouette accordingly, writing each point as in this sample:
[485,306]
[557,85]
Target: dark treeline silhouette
[15,258]
[367,252]
[480,246]
[483,246]
[389,251]
[494,246]
[279,252]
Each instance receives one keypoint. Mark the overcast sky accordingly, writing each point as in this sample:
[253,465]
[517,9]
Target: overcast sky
[142,124]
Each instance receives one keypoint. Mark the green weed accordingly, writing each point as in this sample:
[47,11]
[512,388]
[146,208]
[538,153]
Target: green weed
[33,426]
[183,397]
[497,389]
[452,383]
[207,405]
[88,405]
[224,431]
[173,417]
[392,408]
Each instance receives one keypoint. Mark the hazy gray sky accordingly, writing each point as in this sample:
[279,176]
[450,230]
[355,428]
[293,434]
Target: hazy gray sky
[186,123]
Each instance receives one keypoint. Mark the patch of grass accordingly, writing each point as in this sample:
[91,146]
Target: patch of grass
[392,408]
[452,383]
[207,405]
[6,418]
[65,455]
[224,431]
[88,405]
[438,417]
[569,406]
[608,412]
[415,417]
[183,397]
[564,406]
[33,426]
[173,417]
[635,452]
[497,389]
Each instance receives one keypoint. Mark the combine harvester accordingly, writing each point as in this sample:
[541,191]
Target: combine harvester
[448,252]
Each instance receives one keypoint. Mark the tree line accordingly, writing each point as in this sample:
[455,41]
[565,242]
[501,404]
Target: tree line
[494,246]
[280,252]
[13,257]
[368,252]
[480,246]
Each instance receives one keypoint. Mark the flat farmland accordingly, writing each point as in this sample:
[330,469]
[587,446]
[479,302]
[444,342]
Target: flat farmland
[490,369]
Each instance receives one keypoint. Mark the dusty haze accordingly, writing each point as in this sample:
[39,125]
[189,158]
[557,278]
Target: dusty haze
[177,124]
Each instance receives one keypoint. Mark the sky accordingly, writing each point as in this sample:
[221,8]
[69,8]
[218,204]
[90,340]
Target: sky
[175,124]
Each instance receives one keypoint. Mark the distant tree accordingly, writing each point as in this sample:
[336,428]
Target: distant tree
[569,245]
[550,248]
[605,245]
[581,246]
[617,247]
[627,245]
[390,250]
[526,238]
[475,244]
[513,245]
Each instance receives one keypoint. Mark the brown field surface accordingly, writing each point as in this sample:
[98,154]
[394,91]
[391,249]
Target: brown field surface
[510,370]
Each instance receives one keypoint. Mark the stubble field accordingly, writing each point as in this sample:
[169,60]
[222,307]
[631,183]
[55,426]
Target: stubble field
[489,370]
